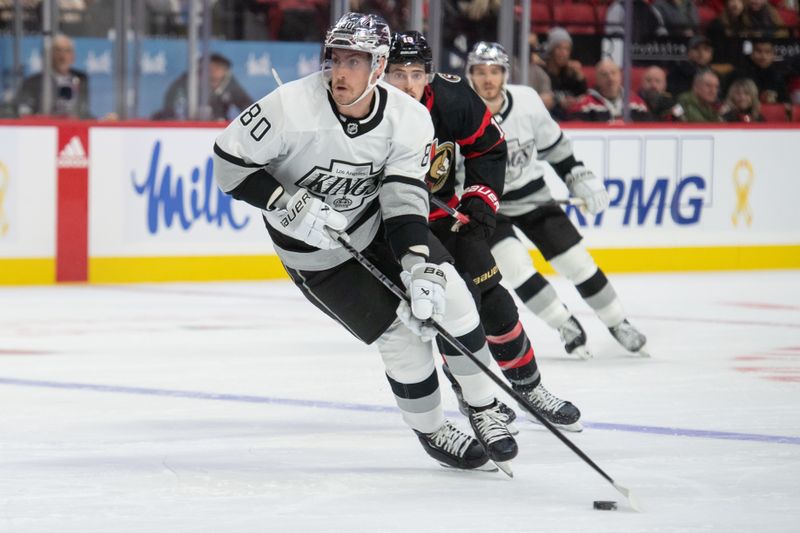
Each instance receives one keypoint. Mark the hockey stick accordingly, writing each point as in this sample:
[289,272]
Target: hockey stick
[343,239]
[464,219]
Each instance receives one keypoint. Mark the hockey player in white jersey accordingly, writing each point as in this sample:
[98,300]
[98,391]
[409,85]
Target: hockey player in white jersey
[340,151]
[531,134]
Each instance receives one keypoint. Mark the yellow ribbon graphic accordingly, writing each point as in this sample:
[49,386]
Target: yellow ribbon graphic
[743,176]
[4,180]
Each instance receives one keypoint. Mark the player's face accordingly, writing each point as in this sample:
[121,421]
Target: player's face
[411,79]
[487,80]
[350,72]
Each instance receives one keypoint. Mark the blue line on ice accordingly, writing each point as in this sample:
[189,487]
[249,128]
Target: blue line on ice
[200,395]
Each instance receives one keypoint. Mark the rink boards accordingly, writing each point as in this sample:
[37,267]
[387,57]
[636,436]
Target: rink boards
[105,202]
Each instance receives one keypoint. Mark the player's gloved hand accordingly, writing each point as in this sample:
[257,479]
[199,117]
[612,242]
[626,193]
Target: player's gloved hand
[307,219]
[583,184]
[480,204]
[425,285]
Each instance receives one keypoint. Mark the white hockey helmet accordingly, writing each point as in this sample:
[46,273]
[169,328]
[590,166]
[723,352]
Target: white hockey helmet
[363,33]
[488,53]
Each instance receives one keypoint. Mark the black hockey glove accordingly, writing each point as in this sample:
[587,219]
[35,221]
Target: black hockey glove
[480,204]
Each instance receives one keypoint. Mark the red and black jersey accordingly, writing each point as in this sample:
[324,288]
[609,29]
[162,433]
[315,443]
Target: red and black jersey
[461,118]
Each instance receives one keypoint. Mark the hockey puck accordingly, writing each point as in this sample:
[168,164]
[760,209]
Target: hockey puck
[605,506]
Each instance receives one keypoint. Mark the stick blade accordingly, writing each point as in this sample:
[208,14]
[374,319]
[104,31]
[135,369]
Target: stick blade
[633,501]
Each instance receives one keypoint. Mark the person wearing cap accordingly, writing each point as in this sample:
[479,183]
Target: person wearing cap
[226,96]
[566,74]
[699,54]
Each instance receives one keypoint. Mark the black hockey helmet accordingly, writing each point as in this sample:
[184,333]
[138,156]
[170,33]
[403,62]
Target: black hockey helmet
[410,47]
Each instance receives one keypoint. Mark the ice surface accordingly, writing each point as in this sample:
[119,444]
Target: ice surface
[239,407]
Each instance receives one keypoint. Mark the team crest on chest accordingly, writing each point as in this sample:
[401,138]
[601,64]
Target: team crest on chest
[443,158]
[519,155]
[343,185]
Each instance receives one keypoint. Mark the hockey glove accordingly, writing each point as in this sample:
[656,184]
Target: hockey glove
[308,219]
[583,184]
[480,204]
[425,285]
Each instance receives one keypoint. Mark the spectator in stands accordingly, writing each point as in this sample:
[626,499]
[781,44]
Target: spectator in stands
[728,24]
[648,22]
[769,77]
[537,75]
[70,85]
[680,16]
[762,20]
[742,103]
[603,102]
[226,96]
[653,91]
[566,74]
[698,57]
[701,103]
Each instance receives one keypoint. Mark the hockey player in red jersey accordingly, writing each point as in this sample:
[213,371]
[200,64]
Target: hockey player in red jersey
[461,119]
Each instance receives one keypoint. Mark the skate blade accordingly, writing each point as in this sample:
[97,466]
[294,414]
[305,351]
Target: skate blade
[642,352]
[505,466]
[575,427]
[582,353]
[488,466]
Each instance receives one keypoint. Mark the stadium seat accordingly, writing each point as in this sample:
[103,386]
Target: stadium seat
[541,19]
[706,14]
[575,18]
[796,113]
[789,18]
[774,112]
[589,74]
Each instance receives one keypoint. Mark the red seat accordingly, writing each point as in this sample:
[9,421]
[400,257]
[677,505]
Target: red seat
[540,18]
[600,11]
[589,74]
[774,112]
[789,18]
[796,113]
[575,18]
[706,14]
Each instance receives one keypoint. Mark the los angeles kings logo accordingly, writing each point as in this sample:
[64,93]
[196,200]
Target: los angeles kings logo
[344,186]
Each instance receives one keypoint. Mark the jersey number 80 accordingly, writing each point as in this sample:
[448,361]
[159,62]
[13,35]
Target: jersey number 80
[261,127]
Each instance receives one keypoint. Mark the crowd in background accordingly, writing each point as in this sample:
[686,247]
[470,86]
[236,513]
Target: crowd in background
[738,60]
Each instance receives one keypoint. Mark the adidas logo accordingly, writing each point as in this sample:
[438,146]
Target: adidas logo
[73,155]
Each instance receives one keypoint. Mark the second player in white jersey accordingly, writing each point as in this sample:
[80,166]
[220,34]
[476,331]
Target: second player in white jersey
[533,136]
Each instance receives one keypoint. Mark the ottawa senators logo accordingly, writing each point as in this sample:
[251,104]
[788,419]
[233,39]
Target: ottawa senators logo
[444,156]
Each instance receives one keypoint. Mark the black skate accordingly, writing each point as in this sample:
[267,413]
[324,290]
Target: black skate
[630,338]
[454,448]
[463,408]
[558,412]
[574,338]
[489,426]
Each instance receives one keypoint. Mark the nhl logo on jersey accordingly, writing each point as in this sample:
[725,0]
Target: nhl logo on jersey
[441,163]
[452,78]
[352,128]
[345,186]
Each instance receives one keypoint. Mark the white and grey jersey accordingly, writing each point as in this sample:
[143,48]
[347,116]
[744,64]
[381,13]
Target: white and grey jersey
[367,169]
[531,135]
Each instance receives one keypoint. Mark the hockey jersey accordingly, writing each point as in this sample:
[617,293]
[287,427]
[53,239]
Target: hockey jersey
[368,169]
[531,135]
[462,122]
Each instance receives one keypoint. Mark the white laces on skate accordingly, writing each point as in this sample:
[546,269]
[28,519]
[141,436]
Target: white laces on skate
[541,397]
[491,423]
[451,439]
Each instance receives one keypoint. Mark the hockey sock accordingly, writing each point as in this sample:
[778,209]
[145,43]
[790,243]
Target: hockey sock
[514,354]
[541,298]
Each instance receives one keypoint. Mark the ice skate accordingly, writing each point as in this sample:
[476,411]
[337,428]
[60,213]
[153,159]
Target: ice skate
[489,426]
[503,409]
[574,338]
[558,412]
[454,448]
[630,338]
